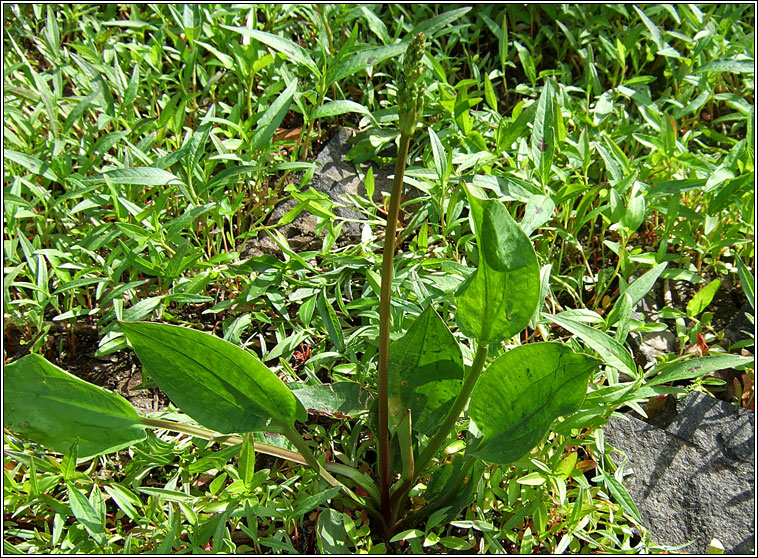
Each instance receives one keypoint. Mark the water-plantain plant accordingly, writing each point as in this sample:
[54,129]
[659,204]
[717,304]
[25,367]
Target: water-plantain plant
[423,384]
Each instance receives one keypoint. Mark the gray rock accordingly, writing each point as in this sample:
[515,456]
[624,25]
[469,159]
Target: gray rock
[692,473]
[649,346]
[335,177]
[740,327]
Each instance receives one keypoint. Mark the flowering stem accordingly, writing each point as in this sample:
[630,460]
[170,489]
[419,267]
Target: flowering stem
[384,325]
[410,106]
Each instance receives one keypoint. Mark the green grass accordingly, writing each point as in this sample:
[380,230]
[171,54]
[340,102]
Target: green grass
[143,145]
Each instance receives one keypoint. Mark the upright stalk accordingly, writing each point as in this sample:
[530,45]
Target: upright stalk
[410,106]
[384,324]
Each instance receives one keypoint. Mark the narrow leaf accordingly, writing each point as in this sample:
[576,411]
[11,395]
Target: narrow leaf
[334,108]
[32,164]
[439,155]
[543,134]
[293,51]
[695,368]
[702,298]
[612,352]
[273,117]
[637,290]
[332,325]
[86,514]
[359,61]
[438,23]
[143,176]
[246,463]
[316,500]
[623,497]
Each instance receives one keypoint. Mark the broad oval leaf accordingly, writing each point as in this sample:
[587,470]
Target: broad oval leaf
[50,406]
[500,297]
[425,372]
[220,385]
[522,392]
[331,531]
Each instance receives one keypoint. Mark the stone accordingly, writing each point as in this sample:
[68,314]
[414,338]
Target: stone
[337,178]
[741,327]
[691,473]
[648,346]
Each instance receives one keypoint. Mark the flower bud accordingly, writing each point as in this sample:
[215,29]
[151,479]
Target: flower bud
[410,94]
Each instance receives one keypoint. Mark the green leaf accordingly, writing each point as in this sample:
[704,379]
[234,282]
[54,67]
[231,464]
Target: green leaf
[746,280]
[331,323]
[362,60]
[538,211]
[543,134]
[425,372]
[736,65]
[47,405]
[345,398]
[68,463]
[441,22]
[331,532]
[270,120]
[702,298]
[143,176]
[446,490]
[334,108]
[404,432]
[246,463]
[637,290]
[499,298]
[527,62]
[635,211]
[613,353]
[696,367]
[293,51]
[655,32]
[489,93]
[621,495]
[32,164]
[220,385]
[86,514]
[315,500]
[439,155]
[522,392]
[125,499]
